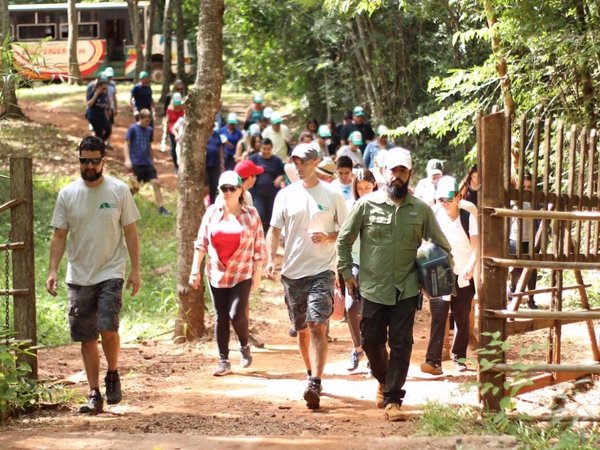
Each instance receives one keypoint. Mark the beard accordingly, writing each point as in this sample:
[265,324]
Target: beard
[91,175]
[396,192]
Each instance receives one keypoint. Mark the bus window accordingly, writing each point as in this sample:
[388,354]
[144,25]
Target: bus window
[36,32]
[51,17]
[86,31]
[24,17]
[88,16]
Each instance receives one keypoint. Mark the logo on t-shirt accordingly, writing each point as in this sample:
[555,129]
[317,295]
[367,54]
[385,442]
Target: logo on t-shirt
[107,205]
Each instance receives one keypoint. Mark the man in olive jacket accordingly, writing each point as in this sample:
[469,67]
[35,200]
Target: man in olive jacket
[391,224]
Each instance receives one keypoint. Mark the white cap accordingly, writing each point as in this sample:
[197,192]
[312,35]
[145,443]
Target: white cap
[447,187]
[268,112]
[434,167]
[230,178]
[276,118]
[398,156]
[253,129]
[232,118]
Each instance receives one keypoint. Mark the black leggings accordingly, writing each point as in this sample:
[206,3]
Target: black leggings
[231,305]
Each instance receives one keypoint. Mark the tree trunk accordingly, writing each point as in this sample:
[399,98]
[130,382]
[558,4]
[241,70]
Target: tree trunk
[167,33]
[134,21]
[179,36]
[8,78]
[74,73]
[150,32]
[501,67]
[200,109]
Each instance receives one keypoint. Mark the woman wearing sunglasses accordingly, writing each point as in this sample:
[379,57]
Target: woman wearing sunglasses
[232,236]
[460,228]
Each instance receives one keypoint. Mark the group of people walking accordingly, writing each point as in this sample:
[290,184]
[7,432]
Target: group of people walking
[343,226]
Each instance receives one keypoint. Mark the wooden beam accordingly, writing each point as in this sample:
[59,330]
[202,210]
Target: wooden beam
[554,368]
[548,289]
[15,292]
[550,215]
[520,326]
[23,262]
[11,204]
[495,147]
[548,379]
[542,314]
[541,264]
[12,246]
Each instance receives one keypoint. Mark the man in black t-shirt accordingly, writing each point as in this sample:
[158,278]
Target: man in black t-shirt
[358,124]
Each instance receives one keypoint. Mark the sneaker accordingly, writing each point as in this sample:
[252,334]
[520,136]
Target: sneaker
[223,368]
[460,366]
[164,211]
[379,396]
[113,388]
[312,394]
[292,332]
[355,358]
[246,356]
[393,412]
[431,368]
[94,405]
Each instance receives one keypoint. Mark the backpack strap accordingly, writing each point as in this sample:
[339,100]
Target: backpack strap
[464,221]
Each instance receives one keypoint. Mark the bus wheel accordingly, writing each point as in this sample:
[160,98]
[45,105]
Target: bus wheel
[157,76]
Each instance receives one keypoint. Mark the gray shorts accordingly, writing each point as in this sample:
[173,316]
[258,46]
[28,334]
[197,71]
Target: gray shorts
[93,309]
[309,299]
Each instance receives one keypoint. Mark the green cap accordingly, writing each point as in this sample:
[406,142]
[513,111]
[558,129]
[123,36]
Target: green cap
[144,74]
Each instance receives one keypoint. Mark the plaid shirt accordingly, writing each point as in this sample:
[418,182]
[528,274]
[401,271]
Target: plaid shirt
[251,252]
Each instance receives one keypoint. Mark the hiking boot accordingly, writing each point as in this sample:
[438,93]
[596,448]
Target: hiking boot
[164,211]
[531,304]
[431,368]
[379,396]
[246,356]
[393,412]
[312,394]
[113,388]
[460,366]
[223,368]
[355,358]
[292,332]
[446,354]
[94,405]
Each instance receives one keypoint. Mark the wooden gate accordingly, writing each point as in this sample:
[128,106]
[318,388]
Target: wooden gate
[563,165]
[21,246]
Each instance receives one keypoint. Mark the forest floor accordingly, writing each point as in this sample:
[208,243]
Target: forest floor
[172,401]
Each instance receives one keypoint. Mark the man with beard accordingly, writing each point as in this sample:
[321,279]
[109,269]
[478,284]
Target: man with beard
[99,214]
[391,224]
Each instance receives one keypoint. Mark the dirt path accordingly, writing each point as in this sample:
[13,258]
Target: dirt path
[173,401]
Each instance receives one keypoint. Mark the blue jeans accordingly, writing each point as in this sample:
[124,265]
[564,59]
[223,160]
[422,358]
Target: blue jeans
[264,206]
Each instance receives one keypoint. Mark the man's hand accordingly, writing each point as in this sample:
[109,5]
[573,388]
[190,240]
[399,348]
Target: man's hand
[319,237]
[134,281]
[52,284]
[270,270]
[352,287]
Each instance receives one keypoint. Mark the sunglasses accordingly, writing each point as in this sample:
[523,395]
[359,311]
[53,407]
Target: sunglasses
[228,188]
[445,200]
[94,161]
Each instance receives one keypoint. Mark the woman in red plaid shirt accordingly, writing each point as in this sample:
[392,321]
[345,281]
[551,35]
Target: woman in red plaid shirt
[231,233]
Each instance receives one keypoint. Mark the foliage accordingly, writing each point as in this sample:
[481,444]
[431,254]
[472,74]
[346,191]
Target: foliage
[442,420]
[17,392]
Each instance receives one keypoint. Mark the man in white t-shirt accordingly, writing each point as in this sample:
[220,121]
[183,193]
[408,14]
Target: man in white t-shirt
[279,135]
[460,228]
[310,213]
[98,214]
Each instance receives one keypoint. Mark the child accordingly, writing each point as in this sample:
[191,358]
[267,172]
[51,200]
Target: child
[138,156]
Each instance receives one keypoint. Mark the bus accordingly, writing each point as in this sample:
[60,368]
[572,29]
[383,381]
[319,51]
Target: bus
[40,32]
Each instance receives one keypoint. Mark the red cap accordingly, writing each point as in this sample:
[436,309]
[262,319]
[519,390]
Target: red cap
[247,168]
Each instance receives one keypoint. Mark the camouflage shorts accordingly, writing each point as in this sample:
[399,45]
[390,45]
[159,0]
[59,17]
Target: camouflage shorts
[309,299]
[93,309]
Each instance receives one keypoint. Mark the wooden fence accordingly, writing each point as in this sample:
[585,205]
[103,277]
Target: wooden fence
[564,203]
[22,249]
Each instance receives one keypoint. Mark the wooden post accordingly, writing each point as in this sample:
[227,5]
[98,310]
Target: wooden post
[494,150]
[23,260]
